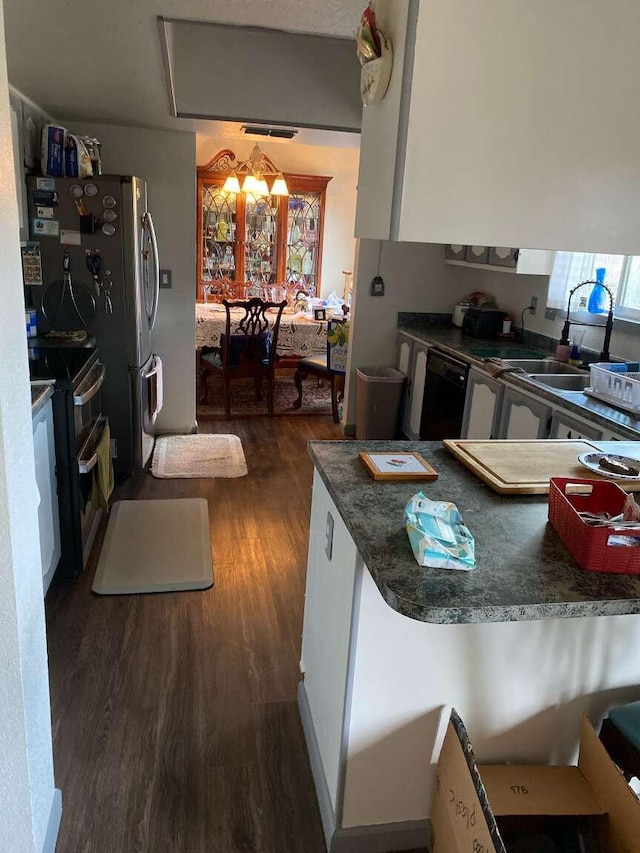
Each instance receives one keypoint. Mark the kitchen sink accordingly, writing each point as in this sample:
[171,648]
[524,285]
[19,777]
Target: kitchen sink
[563,382]
[547,365]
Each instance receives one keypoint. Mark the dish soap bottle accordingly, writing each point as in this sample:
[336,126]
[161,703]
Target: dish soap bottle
[598,298]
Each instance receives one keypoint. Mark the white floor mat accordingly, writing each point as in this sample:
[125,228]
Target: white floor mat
[192,456]
[155,546]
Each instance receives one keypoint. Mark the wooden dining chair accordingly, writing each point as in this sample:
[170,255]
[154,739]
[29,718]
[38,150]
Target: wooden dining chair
[321,367]
[247,349]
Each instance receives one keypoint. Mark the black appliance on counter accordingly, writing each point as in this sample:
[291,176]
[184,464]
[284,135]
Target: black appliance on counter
[78,423]
[482,322]
[444,393]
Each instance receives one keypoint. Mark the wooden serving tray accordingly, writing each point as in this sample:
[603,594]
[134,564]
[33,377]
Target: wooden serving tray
[515,467]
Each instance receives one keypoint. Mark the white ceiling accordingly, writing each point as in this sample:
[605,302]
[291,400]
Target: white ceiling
[101,60]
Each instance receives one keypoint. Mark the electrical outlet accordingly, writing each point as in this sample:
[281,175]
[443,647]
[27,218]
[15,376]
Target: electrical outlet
[377,286]
[550,314]
[533,304]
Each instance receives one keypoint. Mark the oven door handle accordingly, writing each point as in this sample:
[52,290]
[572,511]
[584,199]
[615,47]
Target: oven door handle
[85,466]
[85,395]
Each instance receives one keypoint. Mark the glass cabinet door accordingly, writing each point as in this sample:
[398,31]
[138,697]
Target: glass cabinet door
[260,243]
[303,239]
[218,234]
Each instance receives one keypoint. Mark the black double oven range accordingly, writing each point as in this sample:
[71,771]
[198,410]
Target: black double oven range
[78,423]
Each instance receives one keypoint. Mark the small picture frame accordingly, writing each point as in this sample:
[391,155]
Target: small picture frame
[476,254]
[454,252]
[319,313]
[402,465]
[503,256]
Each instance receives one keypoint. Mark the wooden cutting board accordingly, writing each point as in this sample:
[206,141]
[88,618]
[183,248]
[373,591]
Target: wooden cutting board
[525,467]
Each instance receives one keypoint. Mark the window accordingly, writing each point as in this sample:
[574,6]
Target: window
[623,279]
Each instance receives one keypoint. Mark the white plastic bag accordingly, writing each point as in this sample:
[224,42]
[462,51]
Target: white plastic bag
[437,535]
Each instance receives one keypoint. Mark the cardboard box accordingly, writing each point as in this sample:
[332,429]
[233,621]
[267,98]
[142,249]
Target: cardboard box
[492,808]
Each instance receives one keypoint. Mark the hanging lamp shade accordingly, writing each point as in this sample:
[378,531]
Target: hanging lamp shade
[232,184]
[261,187]
[249,184]
[279,185]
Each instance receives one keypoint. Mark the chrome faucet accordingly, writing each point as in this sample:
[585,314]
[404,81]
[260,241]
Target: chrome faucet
[604,355]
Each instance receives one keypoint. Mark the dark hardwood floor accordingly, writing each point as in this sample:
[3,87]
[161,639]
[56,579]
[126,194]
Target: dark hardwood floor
[175,719]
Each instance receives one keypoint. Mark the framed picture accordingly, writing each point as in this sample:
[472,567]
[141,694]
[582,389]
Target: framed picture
[477,254]
[398,466]
[319,313]
[503,256]
[337,345]
[454,252]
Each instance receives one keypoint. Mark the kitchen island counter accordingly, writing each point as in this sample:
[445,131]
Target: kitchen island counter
[523,570]
[388,647]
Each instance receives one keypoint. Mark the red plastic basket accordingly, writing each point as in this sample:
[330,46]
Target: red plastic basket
[590,545]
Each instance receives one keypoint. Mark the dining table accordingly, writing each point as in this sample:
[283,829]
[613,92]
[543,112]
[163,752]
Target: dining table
[300,335]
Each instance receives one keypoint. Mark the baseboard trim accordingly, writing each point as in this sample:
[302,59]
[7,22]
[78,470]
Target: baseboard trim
[383,838]
[53,824]
[327,813]
[377,838]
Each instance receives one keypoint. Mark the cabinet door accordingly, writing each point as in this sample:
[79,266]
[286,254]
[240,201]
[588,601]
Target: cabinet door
[482,406]
[302,232]
[523,417]
[418,379]
[218,256]
[260,241]
[404,354]
[48,517]
[564,426]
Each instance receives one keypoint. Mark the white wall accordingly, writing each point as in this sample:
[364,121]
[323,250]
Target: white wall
[27,797]
[166,161]
[414,281]
[514,292]
[524,707]
[340,212]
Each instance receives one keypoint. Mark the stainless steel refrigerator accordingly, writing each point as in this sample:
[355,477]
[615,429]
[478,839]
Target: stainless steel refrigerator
[100,273]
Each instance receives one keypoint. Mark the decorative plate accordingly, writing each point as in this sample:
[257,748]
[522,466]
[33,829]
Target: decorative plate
[592,462]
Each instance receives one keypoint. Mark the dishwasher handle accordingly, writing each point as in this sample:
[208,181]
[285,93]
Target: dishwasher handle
[447,367]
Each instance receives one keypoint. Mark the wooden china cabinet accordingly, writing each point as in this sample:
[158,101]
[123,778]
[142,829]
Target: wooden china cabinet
[263,240]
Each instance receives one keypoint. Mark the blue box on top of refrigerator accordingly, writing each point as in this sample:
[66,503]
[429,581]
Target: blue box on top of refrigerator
[100,271]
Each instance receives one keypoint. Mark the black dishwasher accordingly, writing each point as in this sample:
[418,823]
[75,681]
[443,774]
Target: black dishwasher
[443,402]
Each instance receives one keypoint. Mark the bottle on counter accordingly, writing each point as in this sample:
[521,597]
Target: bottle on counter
[597,303]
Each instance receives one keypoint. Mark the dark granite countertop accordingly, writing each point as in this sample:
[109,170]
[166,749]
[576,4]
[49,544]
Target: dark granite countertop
[523,570]
[450,339]
[39,395]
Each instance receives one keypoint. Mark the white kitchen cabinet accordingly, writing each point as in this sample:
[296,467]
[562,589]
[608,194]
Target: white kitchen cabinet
[508,151]
[404,363]
[482,405]
[564,425]
[418,380]
[48,516]
[523,416]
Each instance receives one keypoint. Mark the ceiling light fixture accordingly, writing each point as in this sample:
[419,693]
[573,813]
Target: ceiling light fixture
[254,172]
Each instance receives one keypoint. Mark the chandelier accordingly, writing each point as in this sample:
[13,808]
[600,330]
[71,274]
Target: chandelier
[254,173]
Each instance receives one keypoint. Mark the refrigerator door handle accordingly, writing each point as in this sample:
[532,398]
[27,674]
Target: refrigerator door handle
[148,223]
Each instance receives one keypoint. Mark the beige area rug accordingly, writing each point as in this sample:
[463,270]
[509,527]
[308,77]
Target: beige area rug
[155,546]
[192,456]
